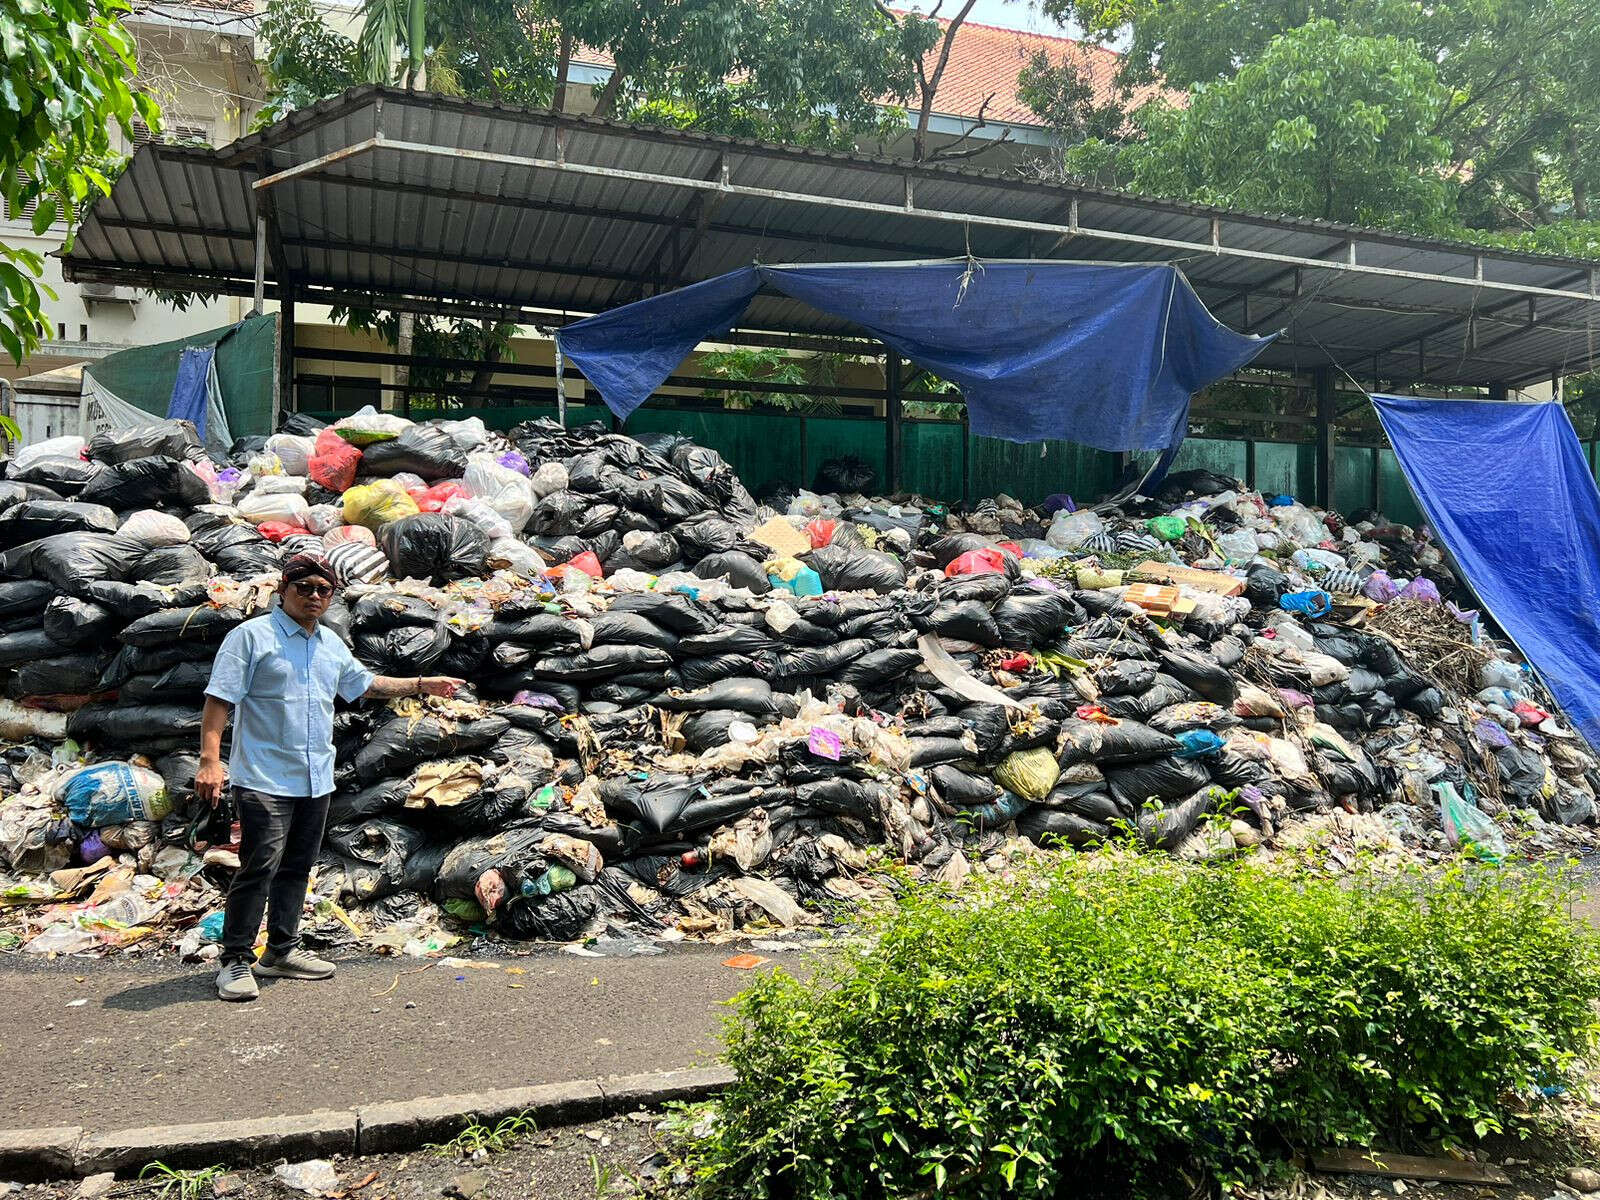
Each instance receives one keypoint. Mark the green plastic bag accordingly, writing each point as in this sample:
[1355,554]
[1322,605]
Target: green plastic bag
[1468,828]
[1028,773]
[1168,529]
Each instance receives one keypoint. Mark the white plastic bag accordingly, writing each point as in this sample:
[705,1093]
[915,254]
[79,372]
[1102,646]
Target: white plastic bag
[70,446]
[154,529]
[322,517]
[283,506]
[1069,531]
[1240,545]
[293,451]
[1299,524]
[549,479]
[368,425]
[480,513]
[508,492]
[280,485]
[513,554]
[468,434]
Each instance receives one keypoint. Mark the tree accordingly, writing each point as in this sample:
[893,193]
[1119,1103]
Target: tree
[1323,124]
[64,84]
[1523,120]
[305,60]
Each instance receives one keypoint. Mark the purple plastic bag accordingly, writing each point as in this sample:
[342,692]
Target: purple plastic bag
[1059,502]
[1380,588]
[1423,589]
[92,849]
[513,459]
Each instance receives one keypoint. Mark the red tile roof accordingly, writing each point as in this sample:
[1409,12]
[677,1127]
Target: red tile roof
[985,61]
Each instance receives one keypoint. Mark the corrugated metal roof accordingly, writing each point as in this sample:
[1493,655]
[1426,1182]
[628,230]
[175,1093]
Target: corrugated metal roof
[406,194]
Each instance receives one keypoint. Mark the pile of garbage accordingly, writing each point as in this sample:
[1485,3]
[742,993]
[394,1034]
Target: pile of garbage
[690,713]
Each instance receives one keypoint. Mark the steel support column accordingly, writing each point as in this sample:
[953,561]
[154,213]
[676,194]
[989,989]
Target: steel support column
[286,393]
[891,424]
[1322,380]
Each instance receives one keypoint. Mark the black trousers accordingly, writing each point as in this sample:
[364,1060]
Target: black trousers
[279,837]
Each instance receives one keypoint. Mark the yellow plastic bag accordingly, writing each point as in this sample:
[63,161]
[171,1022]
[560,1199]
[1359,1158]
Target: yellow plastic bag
[1028,773]
[376,504]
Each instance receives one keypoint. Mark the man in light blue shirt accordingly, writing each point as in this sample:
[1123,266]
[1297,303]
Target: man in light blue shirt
[279,675]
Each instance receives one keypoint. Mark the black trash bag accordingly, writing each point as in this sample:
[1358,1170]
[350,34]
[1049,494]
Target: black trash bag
[513,852]
[171,566]
[1124,742]
[1054,826]
[739,569]
[425,450]
[34,519]
[152,660]
[1158,779]
[962,789]
[497,804]
[378,611]
[1521,773]
[434,547]
[15,493]
[700,672]
[400,743]
[966,621]
[385,796]
[202,623]
[24,598]
[753,697]
[726,639]
[989,724]
[185,679]
[170,439]
[133,600]
[674,500]
[989,588]
[146,483]
[542,632]
[403,650]
[602,662]
[1181,719]
[706,470]
[628,628]
[1126,677]
[708,534]
[847,473]
[848,569]
[879,666]
[69,621]
[72,561]
[559,918]
[820,660]
[655,801]
[178,770]
[673,610]
[1264,585]
[570,514]
[140,726]
[383,842]
[1029,618]
[1570,807]
[1181,485]
[1090,801]
[1427,703]
[929,751]
[63,476]
[211,533]
[1200,673]
[301,424]
[710,728]
[1166,828]
[651,552]
[75,674]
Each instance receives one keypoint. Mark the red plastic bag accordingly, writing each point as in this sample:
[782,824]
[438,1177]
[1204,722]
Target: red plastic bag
[977,562]
[333,462]
[433,499]
[276,531]
[821,532]
[1011,548]
[589,565]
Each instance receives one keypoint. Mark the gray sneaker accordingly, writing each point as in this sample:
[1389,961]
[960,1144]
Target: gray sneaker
[297,964]
[235,982]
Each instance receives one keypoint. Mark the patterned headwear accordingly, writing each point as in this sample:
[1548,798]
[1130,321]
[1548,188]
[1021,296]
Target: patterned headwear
[304,566]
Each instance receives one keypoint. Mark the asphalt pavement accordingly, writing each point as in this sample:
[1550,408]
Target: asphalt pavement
[109,1044]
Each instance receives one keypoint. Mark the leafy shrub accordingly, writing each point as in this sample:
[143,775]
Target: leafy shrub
[1121,1022]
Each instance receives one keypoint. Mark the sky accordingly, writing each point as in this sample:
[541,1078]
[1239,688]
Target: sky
[1010,14]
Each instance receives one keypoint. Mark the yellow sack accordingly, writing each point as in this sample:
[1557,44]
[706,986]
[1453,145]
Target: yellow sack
[376,504]
[1028,773]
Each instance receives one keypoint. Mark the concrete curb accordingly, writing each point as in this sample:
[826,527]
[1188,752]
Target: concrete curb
[64,1151]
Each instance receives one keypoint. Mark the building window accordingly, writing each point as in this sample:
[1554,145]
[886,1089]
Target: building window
[175,131]
[61,331]
[83,333]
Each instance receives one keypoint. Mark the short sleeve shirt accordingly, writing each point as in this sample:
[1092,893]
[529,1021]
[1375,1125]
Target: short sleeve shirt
[281,682]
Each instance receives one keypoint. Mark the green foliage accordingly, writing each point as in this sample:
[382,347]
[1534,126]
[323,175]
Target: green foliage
[1131,1021]
[1523,119]
[305,60]
[1324,124]
[754,366]
[475,1137]
[64,86]
[173,1184]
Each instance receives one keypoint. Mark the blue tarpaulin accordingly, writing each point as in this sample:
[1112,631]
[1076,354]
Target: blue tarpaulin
[1508,490]
[1107,355]
[189,390]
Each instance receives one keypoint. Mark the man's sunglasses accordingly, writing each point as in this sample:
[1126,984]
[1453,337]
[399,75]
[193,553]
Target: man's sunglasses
[308,589]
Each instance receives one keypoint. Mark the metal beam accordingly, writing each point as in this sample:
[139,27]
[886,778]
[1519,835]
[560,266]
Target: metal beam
[1322,377]
[1351,264]
[891,423]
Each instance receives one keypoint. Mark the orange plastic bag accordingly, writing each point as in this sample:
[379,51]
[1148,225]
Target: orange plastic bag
[977,562]
[333,462]
[433,499]
[276,531]
[821,532]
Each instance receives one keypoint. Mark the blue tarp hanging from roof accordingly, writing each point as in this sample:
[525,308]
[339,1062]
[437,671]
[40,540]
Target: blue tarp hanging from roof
[1507,488]
[1107,355]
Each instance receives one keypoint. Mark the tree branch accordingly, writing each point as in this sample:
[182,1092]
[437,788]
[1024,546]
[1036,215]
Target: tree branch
[558,98]
[930,83]
[606,104]
[950,151]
